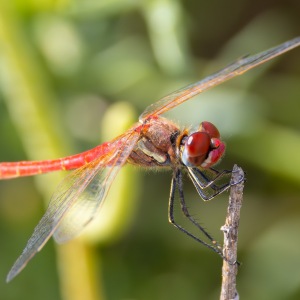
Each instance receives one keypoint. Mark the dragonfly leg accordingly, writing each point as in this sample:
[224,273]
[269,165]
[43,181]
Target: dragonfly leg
[202,185]
[223,173]
[177,183]
[202,182]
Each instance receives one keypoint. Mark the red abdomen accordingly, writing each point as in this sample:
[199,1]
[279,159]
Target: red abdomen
[26,168]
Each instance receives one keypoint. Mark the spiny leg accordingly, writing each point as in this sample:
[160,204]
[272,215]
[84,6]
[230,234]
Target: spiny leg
[207,182]
[188,215]
[197,178]
[225,172]
[177,183]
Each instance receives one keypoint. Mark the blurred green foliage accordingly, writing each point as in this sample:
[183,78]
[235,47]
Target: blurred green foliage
[83,56]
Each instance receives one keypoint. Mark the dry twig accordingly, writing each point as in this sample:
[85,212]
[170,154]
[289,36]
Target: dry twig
[230,229]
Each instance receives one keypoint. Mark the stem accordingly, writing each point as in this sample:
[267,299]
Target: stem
[230,229]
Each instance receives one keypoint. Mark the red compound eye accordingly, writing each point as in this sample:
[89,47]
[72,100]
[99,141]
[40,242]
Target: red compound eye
[210,128]
[198,144]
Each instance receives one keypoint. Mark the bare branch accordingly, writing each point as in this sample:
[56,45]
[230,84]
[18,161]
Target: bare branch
[230,229]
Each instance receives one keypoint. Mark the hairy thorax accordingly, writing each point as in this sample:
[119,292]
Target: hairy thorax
[154,147]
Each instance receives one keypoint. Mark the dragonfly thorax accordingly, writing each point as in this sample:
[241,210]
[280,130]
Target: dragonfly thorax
[155,147]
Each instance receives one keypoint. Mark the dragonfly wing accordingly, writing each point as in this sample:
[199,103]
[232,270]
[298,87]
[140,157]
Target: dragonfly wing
[89,197]
[239,67]
[87,185]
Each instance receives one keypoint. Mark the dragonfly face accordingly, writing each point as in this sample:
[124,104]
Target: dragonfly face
[202,148]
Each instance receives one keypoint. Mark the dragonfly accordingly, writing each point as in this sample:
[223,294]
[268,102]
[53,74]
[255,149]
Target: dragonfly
[153,142]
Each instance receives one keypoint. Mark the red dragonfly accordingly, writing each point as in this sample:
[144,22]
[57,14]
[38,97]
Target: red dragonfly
[152,142]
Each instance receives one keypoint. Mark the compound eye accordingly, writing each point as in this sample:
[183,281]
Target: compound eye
[210,128]
[198,144]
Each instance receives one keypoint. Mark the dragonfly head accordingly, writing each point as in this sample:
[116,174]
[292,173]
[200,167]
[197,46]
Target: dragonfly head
[202,148]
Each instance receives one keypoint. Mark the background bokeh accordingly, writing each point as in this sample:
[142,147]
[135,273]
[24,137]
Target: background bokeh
[74,73]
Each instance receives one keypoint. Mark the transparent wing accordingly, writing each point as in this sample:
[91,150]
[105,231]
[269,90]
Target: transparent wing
[239,67]
[93,188]
[77,199]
